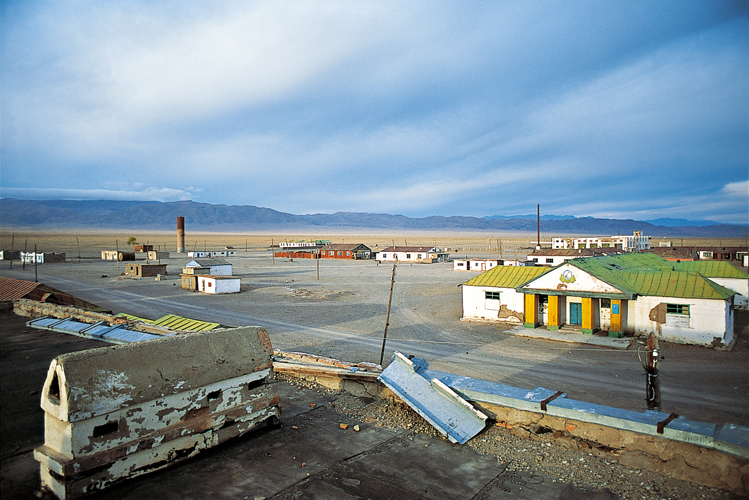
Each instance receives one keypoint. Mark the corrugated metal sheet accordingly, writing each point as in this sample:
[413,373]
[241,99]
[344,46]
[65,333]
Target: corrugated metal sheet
[136,318]
[507,276]
[117,334]
[711,269]
[648,274]
[12,289]
[438,404]
[184,324]
[124,336]
[676,284]
[207,263]
[175,322]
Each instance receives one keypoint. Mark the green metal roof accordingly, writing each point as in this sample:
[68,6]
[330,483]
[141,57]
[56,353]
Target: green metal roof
[175,322]
[711,269]
[648,274]
[179,323]
[633,274]
[507,276]
[676,284]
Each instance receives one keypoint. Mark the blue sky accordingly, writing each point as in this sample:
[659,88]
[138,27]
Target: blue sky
[608,109]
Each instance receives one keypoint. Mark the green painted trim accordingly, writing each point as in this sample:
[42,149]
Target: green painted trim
[587,331]
[616,335]
[566,293]
[552,328]
[531,325]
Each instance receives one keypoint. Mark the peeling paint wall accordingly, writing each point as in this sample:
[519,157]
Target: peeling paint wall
[119,412]
[707,321]
[509,308]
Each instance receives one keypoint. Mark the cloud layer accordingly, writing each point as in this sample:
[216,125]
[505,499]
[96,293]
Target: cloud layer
[607,109]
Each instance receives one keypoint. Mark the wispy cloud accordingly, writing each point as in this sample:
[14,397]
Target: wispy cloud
[419,108]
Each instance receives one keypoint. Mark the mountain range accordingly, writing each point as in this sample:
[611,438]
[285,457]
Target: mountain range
[103,214]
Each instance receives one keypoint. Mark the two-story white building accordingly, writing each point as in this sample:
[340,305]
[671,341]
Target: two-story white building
[634,243]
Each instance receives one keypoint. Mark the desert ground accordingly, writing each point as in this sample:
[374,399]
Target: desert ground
[339,310]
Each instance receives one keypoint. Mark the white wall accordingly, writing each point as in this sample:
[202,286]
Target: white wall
[403,256]
[740,286]
[208,284]
[707,320]
[476,306]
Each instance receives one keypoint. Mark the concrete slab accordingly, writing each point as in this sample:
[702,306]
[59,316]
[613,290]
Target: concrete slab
[579,338]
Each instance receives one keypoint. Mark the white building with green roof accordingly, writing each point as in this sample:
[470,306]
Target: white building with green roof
[688,302]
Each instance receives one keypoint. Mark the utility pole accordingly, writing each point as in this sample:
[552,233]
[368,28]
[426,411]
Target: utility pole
[387,318]
[652,377]
[36,277]
[12,241]
[318,263]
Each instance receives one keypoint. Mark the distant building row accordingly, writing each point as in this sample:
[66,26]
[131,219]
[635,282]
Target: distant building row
[359,251]
[633,243]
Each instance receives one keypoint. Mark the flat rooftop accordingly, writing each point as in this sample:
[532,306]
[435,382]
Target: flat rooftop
[328,445]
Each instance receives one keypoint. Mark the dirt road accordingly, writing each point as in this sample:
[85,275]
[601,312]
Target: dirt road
[342,315]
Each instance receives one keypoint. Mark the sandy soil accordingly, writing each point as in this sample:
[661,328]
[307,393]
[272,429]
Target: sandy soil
[342,314]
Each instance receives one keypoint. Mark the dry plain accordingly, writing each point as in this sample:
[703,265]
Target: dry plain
[341,313]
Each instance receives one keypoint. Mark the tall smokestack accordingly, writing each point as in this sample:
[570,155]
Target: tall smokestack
[180,234]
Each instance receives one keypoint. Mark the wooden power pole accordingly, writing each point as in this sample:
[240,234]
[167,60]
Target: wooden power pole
[387,317]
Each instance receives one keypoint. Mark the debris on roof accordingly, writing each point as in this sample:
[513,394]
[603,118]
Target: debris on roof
[450,414]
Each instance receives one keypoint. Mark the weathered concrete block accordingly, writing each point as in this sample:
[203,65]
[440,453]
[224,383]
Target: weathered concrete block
[126,410]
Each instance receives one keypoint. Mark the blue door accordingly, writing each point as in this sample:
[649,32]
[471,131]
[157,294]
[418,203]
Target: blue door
[576,313]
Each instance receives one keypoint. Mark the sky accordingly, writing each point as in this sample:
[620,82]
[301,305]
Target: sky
[615,109]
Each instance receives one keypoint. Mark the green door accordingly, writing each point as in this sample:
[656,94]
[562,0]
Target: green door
[576,313]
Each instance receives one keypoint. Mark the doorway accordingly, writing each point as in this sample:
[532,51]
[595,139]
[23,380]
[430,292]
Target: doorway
[576,313]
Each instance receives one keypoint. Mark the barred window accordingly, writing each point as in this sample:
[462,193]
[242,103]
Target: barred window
[677,309]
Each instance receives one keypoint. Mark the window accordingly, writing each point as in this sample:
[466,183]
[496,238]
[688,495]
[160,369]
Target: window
[535,259]
[348,253]
[677,309]
[384,256]
[549,260]
[418,256]
[606,303]
[408,255]
[491,301]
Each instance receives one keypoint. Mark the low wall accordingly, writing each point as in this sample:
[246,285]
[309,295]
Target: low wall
[706,454]
[34,309]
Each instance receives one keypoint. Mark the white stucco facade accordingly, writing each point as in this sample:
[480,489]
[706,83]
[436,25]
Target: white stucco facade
[477,306]
[740,286]
[474,265]
[708,321]
[693,315]
[412,254]
[215,269]
[218,284]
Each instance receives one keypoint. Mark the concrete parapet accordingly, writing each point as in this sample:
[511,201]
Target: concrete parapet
[123,411]
[703,453]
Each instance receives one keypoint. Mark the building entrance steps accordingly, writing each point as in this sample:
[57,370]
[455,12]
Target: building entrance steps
[568,335]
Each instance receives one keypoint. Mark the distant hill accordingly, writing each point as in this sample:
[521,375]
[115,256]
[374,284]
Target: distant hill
[104,214]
